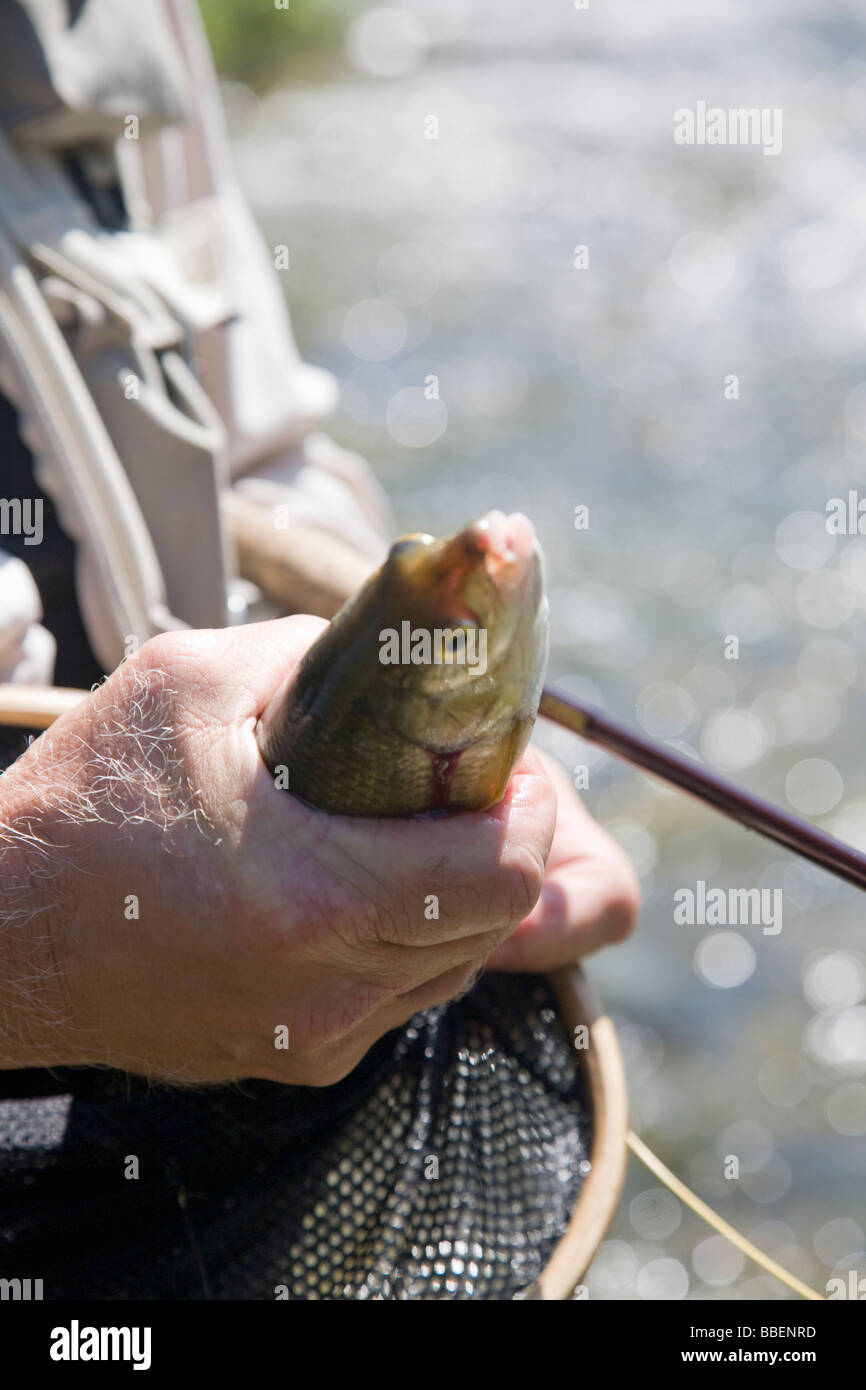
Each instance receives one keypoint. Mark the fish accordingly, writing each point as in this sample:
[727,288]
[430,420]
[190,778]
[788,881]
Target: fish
[421,694]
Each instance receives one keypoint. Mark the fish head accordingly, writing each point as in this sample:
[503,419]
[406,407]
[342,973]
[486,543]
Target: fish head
[471,716]
[422,693]
[485,581]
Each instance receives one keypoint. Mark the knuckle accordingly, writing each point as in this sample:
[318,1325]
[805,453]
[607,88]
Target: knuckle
[173,664]
[146,681]
[156,654]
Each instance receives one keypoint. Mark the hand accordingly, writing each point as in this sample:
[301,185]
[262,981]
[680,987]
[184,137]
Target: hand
[590,896]
[170,910]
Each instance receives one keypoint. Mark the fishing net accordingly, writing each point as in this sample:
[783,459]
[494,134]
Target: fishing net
[445,1166]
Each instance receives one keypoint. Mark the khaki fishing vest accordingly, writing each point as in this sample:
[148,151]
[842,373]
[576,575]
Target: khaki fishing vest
[106,335]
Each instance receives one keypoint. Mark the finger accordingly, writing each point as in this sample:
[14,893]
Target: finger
[578,835]
[583,906]
[437,880]
[324,1066]
[401,969]
[445,987]
[590,897]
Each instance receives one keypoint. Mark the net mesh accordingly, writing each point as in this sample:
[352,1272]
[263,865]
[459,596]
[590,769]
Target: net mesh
[445,1166]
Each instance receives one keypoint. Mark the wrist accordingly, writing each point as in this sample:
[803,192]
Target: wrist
[36,1029]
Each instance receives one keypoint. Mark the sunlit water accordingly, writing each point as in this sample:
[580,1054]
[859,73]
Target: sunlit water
[434,200]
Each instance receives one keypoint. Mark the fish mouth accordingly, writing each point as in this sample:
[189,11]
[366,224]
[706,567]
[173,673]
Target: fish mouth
[499,550]
[479,571]
[507,538]
[506,546]
[485,568]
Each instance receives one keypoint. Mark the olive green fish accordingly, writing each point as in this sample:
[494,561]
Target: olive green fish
[421,694]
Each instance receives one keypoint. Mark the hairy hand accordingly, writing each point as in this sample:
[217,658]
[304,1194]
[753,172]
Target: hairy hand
[173,913]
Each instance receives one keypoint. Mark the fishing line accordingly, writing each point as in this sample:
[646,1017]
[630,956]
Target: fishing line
[689,1199]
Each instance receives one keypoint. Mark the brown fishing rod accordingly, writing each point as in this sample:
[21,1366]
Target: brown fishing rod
[738,805]
[36,707]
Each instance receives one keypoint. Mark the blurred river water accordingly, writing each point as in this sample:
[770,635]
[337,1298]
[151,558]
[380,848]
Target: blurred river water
[534,297]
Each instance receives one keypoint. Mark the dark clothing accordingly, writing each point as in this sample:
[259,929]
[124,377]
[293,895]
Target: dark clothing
[51,563]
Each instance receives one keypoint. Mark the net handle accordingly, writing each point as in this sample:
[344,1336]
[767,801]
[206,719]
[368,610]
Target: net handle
[601,1191]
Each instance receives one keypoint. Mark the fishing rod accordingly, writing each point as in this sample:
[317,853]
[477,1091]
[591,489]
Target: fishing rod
[688,776]
[36,707]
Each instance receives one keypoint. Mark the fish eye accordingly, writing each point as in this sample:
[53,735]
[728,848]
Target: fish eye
[407,544]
